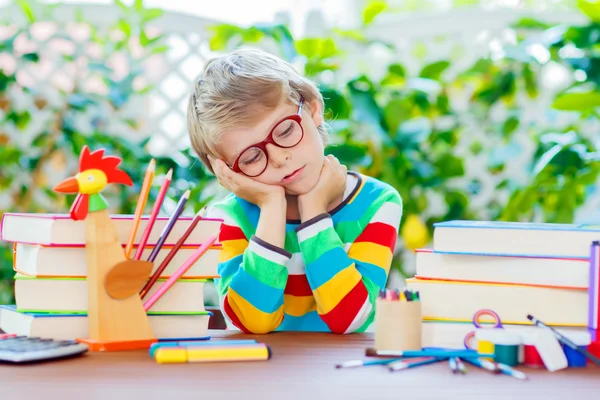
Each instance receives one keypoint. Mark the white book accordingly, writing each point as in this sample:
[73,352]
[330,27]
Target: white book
[459,301]
[515,238]
[43,261]
[74,326]
[60,229]
[559,272]
[452,335]
[71,295]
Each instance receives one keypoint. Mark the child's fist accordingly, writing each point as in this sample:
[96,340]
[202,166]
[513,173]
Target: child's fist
[244,187]
[331,184]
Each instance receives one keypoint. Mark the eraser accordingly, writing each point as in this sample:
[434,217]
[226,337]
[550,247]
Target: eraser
[550,350]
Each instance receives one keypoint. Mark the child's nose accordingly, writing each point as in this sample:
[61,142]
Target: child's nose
[278,156]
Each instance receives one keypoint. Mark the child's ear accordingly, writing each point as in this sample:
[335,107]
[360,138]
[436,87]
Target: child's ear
[316,112]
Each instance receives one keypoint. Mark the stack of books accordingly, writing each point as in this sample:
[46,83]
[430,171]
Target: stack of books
[51,292]
[514,269]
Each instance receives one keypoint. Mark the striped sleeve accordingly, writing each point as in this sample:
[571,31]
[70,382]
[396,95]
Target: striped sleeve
[252,279]
[345,284]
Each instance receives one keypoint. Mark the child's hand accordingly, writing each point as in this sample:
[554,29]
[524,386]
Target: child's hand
[244,187]
[331,186]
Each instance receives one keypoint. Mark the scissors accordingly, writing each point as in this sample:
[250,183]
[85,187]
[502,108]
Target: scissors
[496,324]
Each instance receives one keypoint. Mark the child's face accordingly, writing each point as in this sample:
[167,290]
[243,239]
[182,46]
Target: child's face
[297,168]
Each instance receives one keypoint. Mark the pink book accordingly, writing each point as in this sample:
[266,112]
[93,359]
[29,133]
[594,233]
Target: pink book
[61,230]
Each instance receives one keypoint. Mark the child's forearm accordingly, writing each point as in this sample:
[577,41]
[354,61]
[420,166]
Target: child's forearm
[345,283]
[253,271]
[271,223]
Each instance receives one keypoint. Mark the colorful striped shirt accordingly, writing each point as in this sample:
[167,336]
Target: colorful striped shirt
[327,277]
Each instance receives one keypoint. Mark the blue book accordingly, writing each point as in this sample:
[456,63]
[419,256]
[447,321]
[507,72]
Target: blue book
[70,326]
[515,238]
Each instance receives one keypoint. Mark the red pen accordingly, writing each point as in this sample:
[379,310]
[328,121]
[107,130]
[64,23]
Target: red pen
[7,335]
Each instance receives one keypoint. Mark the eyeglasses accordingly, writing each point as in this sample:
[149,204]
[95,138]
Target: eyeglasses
[288,132]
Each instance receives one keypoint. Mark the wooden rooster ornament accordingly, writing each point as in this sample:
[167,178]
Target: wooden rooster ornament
[116,316]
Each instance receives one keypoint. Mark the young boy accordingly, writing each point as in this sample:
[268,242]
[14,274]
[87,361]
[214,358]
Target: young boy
[306,244]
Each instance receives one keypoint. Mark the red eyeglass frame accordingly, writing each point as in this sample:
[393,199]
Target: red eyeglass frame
[269,140]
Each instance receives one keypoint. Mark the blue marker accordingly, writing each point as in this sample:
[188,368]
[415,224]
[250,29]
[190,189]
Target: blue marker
[156,346]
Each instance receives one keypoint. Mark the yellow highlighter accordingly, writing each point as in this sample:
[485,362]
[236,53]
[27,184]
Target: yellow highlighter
[205,354]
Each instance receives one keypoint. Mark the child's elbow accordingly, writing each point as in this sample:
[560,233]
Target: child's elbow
[262,328]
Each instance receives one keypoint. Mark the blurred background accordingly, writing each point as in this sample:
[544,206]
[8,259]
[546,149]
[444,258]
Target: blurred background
[470,109]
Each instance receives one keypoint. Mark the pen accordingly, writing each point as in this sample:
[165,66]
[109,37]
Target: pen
[364,363]
[452,365]
[461,366]
[564,340]
[400,365]
[496,367]
[370,352]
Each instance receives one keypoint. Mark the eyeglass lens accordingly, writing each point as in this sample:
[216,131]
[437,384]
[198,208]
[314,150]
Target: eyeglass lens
[253,161]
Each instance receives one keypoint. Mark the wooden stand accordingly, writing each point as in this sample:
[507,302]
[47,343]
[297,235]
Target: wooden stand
[114,323]
[397,325]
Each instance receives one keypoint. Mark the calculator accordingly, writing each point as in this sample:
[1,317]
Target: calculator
[23,349]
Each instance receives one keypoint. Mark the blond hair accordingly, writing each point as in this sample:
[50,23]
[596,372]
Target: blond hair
[235,88]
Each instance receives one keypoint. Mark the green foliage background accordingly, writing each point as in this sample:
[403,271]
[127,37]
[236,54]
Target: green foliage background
[403,128]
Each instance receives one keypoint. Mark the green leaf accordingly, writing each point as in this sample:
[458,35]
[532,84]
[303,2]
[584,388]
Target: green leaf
[476,148]
[316,47]
[159,49]
[353,34]
[5,80]
[373,9]
[139,5]
[125,27]
[314,67]
[122,6]
[434,71]
[396,111]
[530,23]
[33,57]
[348,153]
[509,126]
[336,105]
[364,107]
[450,166]
[151,14]
[25,6]
[283,37]
[222,33]
[591,8]
[531,86]
[395,77]
[577,101]
[457,203]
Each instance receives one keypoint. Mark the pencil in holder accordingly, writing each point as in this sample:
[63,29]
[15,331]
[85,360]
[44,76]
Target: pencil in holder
[398,322]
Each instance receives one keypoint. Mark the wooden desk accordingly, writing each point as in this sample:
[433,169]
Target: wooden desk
[302,367]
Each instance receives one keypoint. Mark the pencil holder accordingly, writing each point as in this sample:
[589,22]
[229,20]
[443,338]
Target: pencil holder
[397,325]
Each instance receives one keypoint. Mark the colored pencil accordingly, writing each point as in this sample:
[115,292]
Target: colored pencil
[139,208]
[364,363]
[496,368]
[163,265]
[157,204]
[202,249]
[169,227]
[370,352]
[460,365]
[401,365]
[564,340]
[7,335]
[452,365]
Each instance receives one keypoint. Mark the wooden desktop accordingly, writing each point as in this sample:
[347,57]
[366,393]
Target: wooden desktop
[302,366]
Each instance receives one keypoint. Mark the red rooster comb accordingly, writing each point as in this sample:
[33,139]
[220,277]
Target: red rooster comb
[108,165]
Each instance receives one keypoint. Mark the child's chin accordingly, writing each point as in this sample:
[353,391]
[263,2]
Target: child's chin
[296,191]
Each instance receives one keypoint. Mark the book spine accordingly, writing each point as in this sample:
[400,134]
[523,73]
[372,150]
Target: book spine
[593,288]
